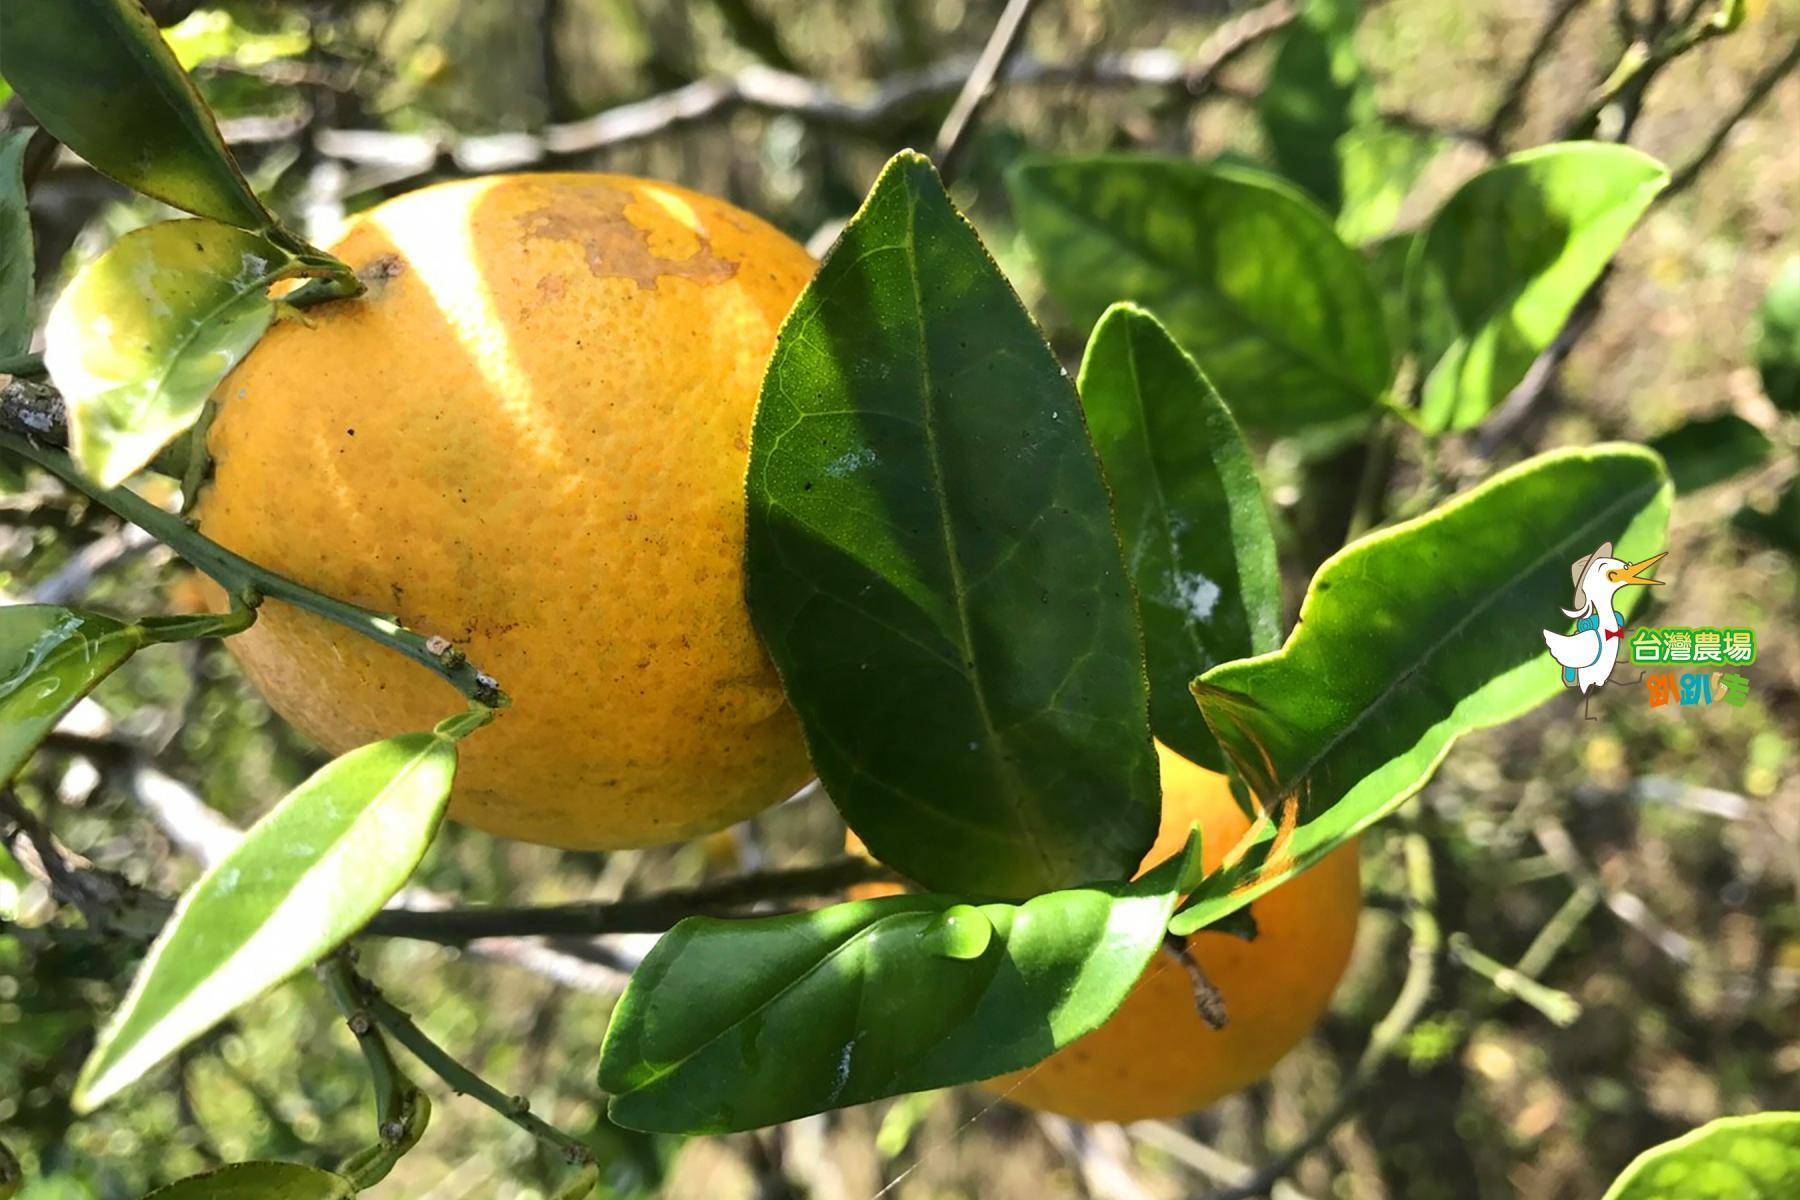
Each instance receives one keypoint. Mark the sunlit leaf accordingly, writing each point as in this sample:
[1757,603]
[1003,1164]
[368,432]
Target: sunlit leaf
[736,1024]
[1315,94]
[1247,274]
[1710,450]
[933,566]
[1755,1157]
[98,75]
[1190,512]
[1778,337]
[1502,264]
[259,1181]
[1379,164]
[50,658]
[1410,638]
[143,335]
[16,268]
[303,879]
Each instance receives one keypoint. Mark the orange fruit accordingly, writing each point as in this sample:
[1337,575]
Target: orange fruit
[1156,1057]
[530,438]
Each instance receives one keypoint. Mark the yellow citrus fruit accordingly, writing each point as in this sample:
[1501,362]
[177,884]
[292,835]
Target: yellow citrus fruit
[1156,1057]
[530,438]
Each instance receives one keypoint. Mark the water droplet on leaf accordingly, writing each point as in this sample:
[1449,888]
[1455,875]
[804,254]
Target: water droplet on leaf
[961,931]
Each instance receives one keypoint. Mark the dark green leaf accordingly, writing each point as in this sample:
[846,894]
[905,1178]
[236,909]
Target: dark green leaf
[1248,274]
[98,75]
[145,333]
[736,1024]
[1502,264]
[1754,1157]
[259,1181]
[1778,337]
[933,566]
[50,658]
[16,267]
[304,878]
[1190,512]
[1780,526]
[1410,638]
[1711,450]
[1315,94]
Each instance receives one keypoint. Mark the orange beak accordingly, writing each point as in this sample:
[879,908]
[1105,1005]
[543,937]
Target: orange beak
[1635,572]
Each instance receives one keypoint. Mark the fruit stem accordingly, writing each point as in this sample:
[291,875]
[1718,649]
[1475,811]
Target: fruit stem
[249,584]
[1208,1001]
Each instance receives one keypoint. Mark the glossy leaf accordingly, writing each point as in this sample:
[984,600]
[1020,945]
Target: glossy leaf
[933,566]
[16,268]
[1315,94]
[1190,512]
[1711,450]
[1248,275]
[1408,639]
[1755,1157]
[50,658]
[98,75]
[736,1024]
[1502,264]
[1778,337]
[259,1181]
[142,336]
[303,879]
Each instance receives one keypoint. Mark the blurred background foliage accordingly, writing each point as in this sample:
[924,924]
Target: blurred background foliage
[1648,863]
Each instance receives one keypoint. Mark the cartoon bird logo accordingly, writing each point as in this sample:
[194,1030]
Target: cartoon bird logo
[1589,655]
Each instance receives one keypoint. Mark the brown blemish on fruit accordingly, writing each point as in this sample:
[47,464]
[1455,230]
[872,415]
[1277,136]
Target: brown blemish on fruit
[380,270]
[614,245]
[551,287]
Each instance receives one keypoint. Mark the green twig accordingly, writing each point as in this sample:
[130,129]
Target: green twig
[248,584]
[1408,1007]
[647,914]
[1558,930]
[1643,59]
[1558,1006]
[461,1079]
[401,1109]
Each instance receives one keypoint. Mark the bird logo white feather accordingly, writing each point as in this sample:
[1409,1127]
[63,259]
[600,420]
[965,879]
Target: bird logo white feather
[1589,654]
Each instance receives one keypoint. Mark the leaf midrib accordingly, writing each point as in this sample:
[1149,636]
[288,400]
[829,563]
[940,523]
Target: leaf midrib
[1011,786]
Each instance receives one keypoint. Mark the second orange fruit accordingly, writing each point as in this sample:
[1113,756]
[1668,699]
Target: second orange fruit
[1156,1057]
